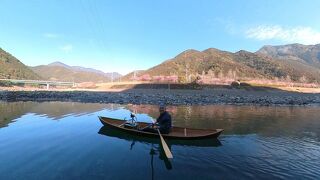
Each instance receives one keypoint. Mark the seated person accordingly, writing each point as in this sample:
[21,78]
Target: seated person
[163,121]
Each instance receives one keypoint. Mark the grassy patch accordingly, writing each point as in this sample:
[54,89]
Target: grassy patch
[6,84]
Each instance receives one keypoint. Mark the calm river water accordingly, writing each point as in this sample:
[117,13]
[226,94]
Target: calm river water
[65,140]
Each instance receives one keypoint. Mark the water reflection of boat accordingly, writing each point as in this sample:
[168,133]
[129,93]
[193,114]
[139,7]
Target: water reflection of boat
[111,132]
[155,144]
[176,132]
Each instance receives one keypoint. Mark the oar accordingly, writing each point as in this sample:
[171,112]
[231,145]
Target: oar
[164,145]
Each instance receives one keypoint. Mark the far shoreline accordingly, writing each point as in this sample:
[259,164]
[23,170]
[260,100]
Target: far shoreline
[217,96]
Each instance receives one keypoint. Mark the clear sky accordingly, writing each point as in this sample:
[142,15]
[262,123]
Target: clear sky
[126,35]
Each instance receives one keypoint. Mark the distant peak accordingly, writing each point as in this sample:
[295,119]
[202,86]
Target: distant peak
[211,50]
[243,52]
[58,63]
[267,46]
[188,52]
[285,45]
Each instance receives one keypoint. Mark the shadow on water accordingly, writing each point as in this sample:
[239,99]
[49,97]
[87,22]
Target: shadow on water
[155,145]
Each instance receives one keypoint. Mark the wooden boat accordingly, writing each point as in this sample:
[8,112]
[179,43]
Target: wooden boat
[114,133]
[176,132]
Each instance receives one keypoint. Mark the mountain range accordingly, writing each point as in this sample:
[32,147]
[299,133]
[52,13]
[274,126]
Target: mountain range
[62,72]
[12,68]
[306,54]
[294,62]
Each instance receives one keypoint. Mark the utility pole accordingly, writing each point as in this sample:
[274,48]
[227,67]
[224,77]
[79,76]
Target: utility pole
[112,77]
[187,67]
[186,73]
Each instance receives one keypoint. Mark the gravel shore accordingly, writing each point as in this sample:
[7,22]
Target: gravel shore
[169,97]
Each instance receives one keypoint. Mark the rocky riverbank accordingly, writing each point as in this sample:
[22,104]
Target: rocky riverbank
[169,97]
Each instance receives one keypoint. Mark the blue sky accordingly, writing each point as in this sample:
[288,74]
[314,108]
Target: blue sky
[125,35]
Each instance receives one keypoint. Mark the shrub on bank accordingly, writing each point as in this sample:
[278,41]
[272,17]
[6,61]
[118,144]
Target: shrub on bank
[6,84]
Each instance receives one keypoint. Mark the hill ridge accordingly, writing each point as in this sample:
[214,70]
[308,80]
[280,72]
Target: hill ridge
[213,63]
[61,71]
[12,68]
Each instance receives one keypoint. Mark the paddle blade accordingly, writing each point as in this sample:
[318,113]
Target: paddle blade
[165,147]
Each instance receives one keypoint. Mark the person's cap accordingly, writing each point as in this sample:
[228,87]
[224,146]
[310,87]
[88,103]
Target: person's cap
[162,106]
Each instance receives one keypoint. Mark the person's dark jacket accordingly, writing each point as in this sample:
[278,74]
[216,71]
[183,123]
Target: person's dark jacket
[165,122]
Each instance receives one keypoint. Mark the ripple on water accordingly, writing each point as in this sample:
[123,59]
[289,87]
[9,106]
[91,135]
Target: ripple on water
[280,158]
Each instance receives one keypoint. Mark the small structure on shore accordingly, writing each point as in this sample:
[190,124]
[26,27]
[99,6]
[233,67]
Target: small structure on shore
[236,83]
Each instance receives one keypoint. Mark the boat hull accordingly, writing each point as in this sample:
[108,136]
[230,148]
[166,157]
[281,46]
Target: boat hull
[176,132]
[115,133]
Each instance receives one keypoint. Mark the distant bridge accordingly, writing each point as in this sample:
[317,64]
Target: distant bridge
[40,82]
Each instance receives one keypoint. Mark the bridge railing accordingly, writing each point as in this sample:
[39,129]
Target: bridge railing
[40,82]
